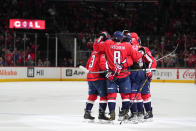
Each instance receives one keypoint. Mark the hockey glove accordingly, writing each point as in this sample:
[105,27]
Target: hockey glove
[110,76]
[149,75]
[140,63]
[118,69]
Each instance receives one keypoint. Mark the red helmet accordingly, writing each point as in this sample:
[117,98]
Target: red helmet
[135,39]
[134,35]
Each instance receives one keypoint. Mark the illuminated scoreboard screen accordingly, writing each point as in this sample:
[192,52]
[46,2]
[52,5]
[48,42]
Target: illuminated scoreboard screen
[27,24]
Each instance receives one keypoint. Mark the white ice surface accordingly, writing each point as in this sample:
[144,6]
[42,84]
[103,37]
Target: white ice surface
[59,106]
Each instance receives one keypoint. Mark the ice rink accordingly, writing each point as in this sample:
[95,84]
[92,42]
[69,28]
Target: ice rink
[59,106]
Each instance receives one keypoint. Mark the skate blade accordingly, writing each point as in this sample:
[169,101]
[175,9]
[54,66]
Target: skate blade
[104,121]
[148,120]
[141,120]
[121,119]
[111,122]
[133,122]
[124,122]
[88,121]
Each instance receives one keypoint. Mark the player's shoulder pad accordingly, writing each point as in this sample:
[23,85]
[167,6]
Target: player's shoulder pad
[146,48]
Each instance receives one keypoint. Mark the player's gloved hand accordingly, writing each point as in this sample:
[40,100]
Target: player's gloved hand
[140,63]
[110,76]
[149,75]
[118,69]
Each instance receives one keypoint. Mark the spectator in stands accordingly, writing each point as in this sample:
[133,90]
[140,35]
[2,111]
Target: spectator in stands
[70,60]
[30,58]
[40,62]
[80,63]
[2,62]
[9,58]
[47,62]
[65,62]
[176,23]
[191,59]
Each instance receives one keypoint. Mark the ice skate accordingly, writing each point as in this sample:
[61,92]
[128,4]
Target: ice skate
[102,117]
[133,118]
[148,116]
[87,116]
[123,115]
[112,116]
[140,117]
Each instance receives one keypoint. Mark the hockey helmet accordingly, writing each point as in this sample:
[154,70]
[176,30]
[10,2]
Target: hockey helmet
[105,35]
[124,32]
[135,39]
[127,38]
[118,36]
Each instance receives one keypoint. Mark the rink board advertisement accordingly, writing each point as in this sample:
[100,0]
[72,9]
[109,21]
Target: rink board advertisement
[29,73]
[174,75]
[75,74]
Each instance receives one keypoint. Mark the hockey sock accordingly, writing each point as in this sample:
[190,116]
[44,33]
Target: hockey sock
[103,103]
[125,105]
[90,102]
[140,103]
[147,106]
[103,106]
[131,104]
[140,106]
[125,101]
[111,106]
[147,102]
[111,101]
[89,106]
[134,107]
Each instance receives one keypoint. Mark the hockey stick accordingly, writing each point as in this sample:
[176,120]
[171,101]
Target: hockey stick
[131,70]
[168,54]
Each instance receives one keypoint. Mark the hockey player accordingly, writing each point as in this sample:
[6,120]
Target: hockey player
[135,96]
[141,81]
[149,63]
[116,54]
[96,82]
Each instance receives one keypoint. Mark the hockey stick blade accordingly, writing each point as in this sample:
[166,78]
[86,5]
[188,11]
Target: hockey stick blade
[83,69]
[87,71]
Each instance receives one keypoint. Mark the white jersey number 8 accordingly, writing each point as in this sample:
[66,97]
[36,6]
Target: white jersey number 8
[116,57]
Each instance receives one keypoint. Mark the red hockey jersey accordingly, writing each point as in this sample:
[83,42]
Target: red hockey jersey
[95,63]
[149,59]
[117,53]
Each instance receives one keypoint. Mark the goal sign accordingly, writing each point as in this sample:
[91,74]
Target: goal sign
[27,24]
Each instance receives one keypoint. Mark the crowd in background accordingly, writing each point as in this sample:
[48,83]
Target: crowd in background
[161,25]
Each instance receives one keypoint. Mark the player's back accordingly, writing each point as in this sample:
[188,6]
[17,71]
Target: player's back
[94,64]
[115,52]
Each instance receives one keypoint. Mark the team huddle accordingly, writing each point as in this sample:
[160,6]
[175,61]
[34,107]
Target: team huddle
[127,66]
